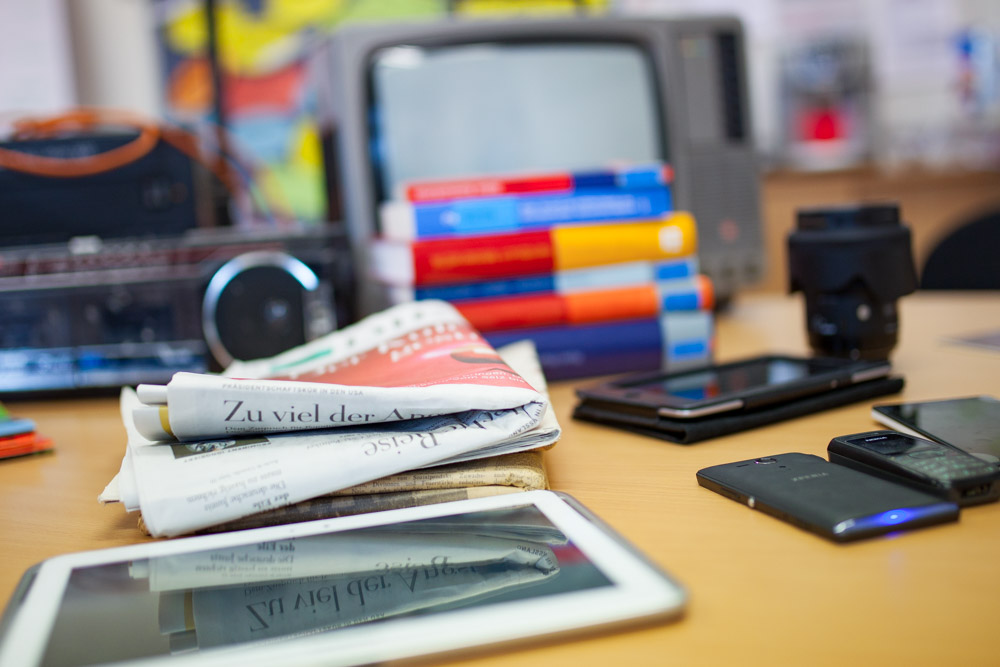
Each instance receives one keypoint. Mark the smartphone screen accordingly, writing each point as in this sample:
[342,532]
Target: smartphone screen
[972,423]
[718,381]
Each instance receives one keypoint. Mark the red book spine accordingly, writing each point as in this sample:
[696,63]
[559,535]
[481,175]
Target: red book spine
[514,313]
[488,187]
[464,259]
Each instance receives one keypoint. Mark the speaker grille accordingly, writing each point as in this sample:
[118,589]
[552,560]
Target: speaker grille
[258,305]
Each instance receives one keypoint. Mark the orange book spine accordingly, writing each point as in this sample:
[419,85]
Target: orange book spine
[675,235]
[572,308]
[449,260]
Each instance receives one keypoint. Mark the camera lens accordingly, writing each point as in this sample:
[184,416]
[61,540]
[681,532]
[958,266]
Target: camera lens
[852,264]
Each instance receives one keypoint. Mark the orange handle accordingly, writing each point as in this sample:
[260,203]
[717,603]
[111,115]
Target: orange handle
[39,165]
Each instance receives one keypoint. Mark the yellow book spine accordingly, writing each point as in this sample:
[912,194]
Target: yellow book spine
[674,235]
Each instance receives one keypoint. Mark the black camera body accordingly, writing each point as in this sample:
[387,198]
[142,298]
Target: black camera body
[852,264]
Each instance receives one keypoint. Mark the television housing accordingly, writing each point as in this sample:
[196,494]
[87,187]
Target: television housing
[461,97]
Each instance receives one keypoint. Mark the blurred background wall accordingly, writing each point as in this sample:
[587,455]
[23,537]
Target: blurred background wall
[852,99]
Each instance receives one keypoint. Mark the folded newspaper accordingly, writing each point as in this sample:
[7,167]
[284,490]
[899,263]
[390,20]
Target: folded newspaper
[515,472]
[410,387]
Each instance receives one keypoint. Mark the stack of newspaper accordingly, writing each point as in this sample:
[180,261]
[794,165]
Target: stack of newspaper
[409,395]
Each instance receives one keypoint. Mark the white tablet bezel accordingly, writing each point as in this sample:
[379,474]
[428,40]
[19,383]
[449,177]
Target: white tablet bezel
[640,590]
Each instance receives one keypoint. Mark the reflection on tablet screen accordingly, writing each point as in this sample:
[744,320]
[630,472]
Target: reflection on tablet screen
[275,590]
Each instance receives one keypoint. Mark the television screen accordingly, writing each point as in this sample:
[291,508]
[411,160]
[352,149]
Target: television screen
[450,99]
[514,106]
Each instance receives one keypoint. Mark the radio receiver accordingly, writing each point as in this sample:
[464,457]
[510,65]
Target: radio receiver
[93,313]
[112,272]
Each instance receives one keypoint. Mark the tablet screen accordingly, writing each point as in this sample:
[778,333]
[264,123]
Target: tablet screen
[318,583]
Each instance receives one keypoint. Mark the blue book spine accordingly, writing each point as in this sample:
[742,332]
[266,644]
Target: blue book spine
[673,269]
[681,300]
[487,290]
[11,427]
[612,275]
[674,341]
[511,213]
[646,176]
[567,352]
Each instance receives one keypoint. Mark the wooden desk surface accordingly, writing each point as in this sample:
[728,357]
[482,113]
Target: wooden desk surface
[761,591]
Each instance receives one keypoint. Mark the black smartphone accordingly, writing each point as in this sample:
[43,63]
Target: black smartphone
[836,502]
[730,387]
[971,423]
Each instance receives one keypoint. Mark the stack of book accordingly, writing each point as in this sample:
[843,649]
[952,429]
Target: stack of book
[18,436]
[596,268]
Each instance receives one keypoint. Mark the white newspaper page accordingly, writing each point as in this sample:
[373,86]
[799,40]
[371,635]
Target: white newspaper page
[416,360]
[182,487]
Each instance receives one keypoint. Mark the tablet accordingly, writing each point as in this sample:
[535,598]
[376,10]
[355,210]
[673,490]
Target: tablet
[346,591]
[730,387]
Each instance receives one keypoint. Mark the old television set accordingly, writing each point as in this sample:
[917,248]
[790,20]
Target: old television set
[457,97]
